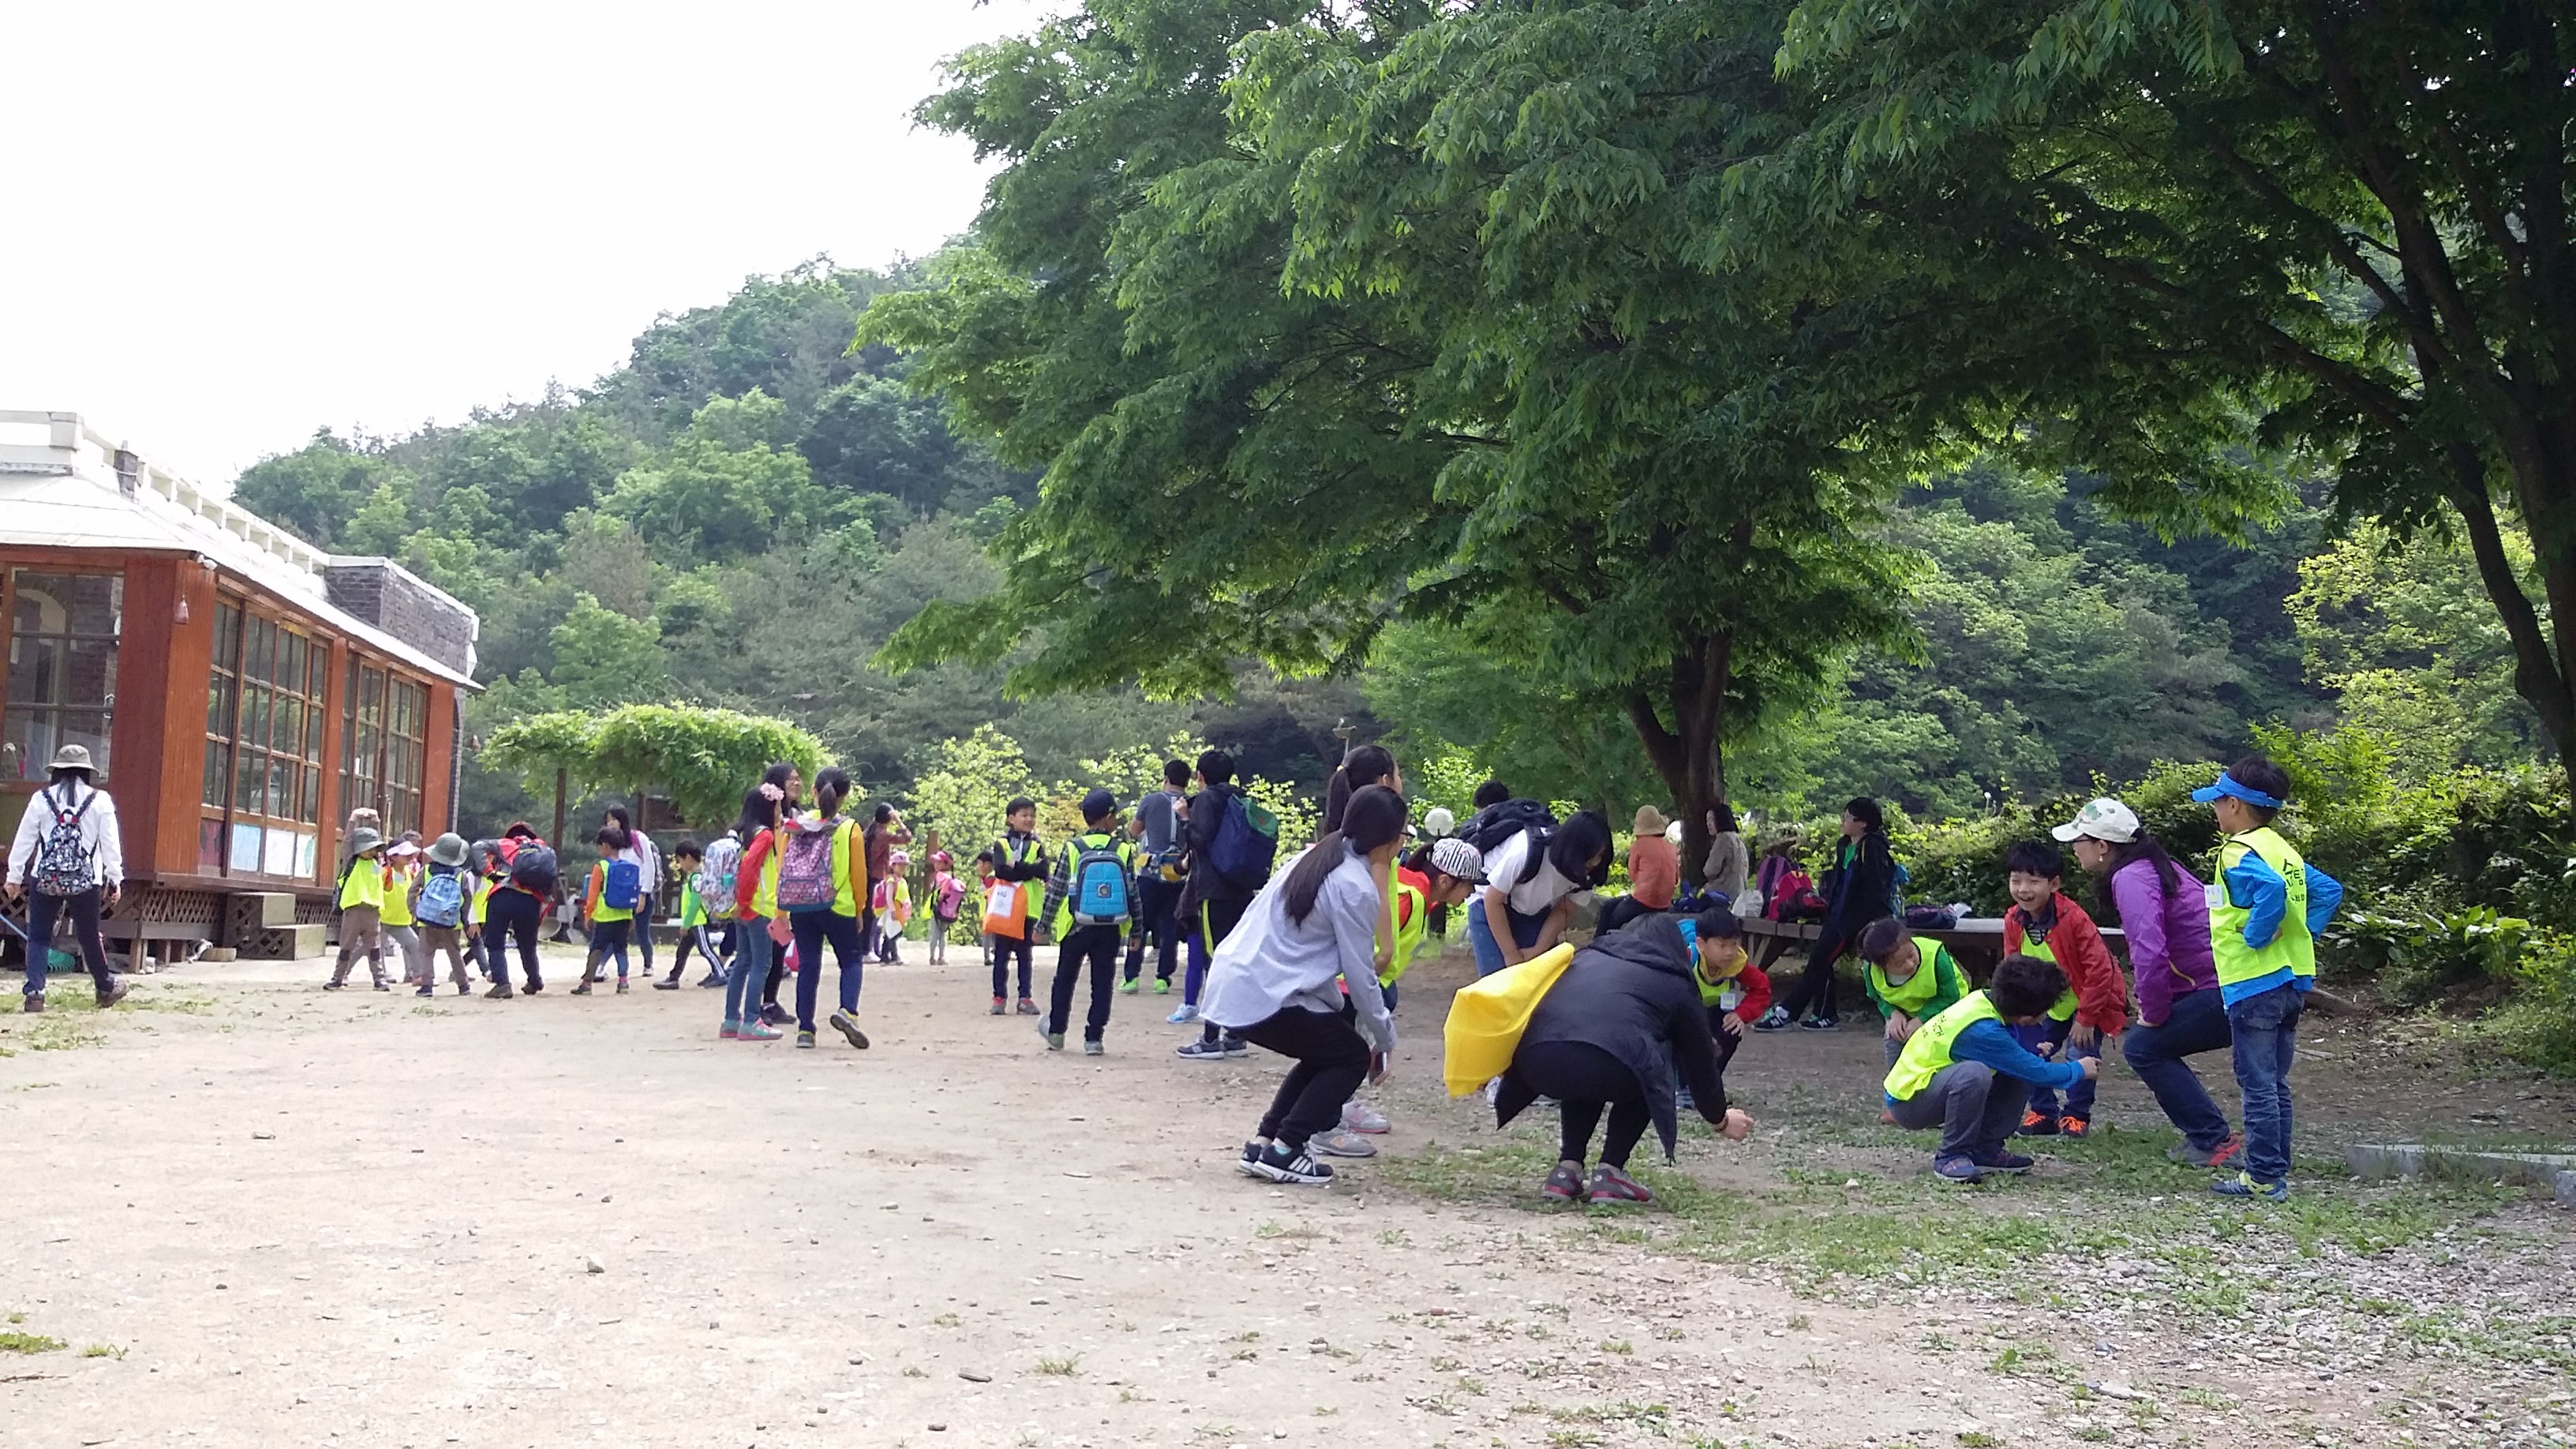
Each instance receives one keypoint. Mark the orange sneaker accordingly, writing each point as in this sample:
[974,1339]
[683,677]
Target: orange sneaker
[2074,1127]
[2034,1124]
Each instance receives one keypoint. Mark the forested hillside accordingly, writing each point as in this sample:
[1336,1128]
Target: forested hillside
[746,511]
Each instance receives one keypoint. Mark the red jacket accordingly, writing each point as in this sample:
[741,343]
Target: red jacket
[746,872]
[2101,992]
[1757,993]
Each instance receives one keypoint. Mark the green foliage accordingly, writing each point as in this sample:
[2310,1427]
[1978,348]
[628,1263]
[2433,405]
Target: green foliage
[602,658]
[962,790]
[2416,955]
[700,759]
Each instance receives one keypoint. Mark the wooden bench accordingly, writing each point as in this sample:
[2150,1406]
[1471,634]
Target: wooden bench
[1977,942]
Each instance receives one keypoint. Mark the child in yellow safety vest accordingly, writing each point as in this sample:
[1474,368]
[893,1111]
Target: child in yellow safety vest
[401,926]
[608,903]
[2263,932]
[361,902]
[1910,979]
[1444,873]
[1964,1072]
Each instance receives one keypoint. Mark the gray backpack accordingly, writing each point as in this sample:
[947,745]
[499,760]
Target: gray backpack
[64,865]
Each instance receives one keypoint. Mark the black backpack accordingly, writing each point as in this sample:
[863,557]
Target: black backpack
[1493,827]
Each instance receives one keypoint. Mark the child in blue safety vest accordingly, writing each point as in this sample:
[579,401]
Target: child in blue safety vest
[1964,1073]
[1089,901]
[2263,931]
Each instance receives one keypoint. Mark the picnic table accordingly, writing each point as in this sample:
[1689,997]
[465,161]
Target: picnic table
[1977,941]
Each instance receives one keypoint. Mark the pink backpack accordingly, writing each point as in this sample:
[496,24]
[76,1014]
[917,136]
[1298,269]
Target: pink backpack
[805,880]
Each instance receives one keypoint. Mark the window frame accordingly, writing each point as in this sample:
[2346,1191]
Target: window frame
[33,774]
[308,691]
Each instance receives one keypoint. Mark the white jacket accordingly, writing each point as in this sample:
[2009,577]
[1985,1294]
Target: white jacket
[98,832]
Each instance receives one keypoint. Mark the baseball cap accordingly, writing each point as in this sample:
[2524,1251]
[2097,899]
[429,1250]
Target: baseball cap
[1099,803]
[2103,819]
[1456,858]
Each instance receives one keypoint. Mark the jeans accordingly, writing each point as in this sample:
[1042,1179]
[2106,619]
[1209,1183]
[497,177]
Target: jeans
[1099,946]
[1975,1108]
[1158,921]
[2079,1098]
[644,930]
[2198,1023]
[1480,935]
[750,969]
[1585,1080]
[1003,949]
[2266,1030]
[846,933]
[42,912]
[607,939]
[512,916]
[1332,1060]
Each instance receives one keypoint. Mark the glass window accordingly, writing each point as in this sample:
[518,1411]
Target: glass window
[406,753]
[264,703]
[61,687]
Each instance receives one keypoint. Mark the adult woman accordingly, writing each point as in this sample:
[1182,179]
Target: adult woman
[1298,976]
[1610,1035]
[516,907]
[822,887]
[1531,888]
[1727,859]
[1654,872]
[1860,888]
[2164,913]
[68,860]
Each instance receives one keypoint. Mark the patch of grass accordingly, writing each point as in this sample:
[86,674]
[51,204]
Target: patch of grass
[55,1031]
[1625,1411]
[1572,1438]
[1471,1386]
[915,1371]
[1801,1321]
[101,1350]
[1062,1368]
[184,1005]
[1617,1345]
[14,1342]
[1394,1238]
[1254,1336]
[2206,1398]
[1669,1333]
[1289,1232]
[1972,1439]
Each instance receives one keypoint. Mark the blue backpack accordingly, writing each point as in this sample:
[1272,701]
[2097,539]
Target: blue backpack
[442,898]
[1101,883]
[1246,842]
[623,886]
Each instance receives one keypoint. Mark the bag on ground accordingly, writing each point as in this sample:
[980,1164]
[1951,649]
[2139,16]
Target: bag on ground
[1488,1015]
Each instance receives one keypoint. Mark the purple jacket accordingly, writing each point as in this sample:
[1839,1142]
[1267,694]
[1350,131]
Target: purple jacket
[2168,938]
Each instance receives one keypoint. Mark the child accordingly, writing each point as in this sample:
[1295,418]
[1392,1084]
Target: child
[689,859]
[1444,873]
[608,906]
[892,899]
[823,890]
[402,881]
[2264,936]
[947,900]
[1090,899]
[1910,979]
[1964,1072]
[1733,990]
[1018,861]
[442,904]
[2047,923]
[717,877]
[362,899]
[1862,886]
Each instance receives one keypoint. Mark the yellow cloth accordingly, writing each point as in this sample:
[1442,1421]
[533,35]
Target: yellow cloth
[399,879]
[1487,1017]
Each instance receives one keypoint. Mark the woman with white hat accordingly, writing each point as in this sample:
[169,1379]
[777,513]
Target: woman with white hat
[69,860]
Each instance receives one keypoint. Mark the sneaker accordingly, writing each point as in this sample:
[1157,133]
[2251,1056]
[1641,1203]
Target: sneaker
[2215,1157]
[1091,1047]
[500,992]
[1183,1013]
[1295,1168]
[1162,986]
[532,988]
[582,990]
[1234,1046]
[1610,1185]
[1823,1023]
[1054,1039]
[1202,1051]
[1361,1117]
[426,991]
[1249,1164]
[2244,1185]
[755,1031]
[732,1032]
[35,1004]
[2074,1127]
[2002,1161]
[464,990]
[1001,1006]
[1028,1007]
[1564,1185]
[805,1041]
[848,1026]
[1956,1169]
[774,1014]
[1340,1143]
[667,983]
[335,985]
[1128,986]
[2036,1124]
[1686,1100]
[1773,1020]
[621,986]
[380,986]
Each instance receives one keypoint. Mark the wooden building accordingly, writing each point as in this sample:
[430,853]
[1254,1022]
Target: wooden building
[241,690]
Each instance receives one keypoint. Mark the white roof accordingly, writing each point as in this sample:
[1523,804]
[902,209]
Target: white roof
[60,487]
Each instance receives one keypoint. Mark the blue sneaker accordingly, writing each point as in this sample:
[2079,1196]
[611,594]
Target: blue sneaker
[2000,1161]
[2244,1185]
[1956,1169]
[1185,1012]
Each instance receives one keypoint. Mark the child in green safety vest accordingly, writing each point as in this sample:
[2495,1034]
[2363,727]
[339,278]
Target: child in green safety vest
[2047,923]
[1089,901]
[1910,979]
[361,901]
[1963,1071]
[2263,932]
[1444,873]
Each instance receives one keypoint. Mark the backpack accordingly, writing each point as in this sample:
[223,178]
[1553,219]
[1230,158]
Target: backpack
[532,867]
[1246,842]
[719,875]
[1794,898]
[950,892]
[442,898]
[1494,826]
[64,865]
[1101,883]
[621,885]
[805,870]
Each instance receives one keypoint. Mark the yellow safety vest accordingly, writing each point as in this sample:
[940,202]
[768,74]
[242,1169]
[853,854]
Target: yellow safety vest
[1916,991]
[1410,932]
[598,891]
[1928,1050]
[397,903]
[2293,950]
[364,885]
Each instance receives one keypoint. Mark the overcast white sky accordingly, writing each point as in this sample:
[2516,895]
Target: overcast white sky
[228,225]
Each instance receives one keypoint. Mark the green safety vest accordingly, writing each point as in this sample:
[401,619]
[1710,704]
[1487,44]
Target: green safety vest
[1410,931]
[1928,1050]
[2064,1008]
[2293,949]
[1917,990]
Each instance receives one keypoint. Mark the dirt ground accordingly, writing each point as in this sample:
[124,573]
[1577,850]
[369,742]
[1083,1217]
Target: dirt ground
[255,1213]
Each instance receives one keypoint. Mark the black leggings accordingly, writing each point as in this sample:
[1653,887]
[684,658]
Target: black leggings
[1817,987]
[1332,1061]
[1586,1079]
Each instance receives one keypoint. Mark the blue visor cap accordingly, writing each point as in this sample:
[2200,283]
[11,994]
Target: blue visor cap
[2229,785]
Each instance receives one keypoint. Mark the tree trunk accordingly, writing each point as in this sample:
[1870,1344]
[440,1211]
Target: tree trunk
[561,780]
[1689,756]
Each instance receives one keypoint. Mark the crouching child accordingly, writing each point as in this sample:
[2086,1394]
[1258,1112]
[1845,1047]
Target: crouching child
[1963,1072]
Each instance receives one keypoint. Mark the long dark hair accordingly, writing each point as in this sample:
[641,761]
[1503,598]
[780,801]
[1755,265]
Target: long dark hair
[1362,767]
[2145,847]
[1376,816]
[1571,850]
[831,787]
[625,824]
[759,812]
